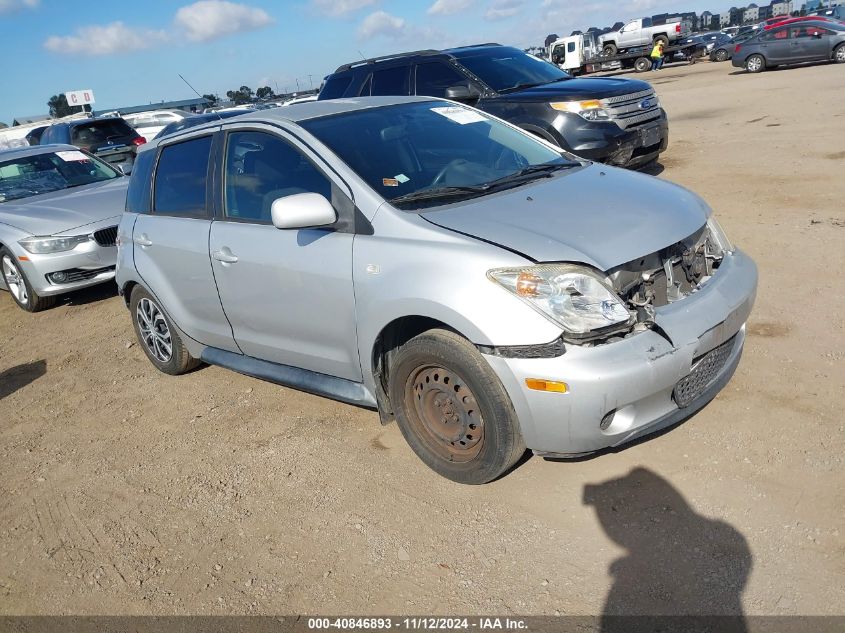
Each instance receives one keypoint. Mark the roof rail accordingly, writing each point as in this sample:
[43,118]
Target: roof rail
[457,48]
[383,58]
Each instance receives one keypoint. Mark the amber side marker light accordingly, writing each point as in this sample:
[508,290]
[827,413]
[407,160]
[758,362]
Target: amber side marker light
[552,386]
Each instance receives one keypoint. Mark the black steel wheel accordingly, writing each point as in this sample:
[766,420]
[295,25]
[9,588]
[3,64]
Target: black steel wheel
[453,410]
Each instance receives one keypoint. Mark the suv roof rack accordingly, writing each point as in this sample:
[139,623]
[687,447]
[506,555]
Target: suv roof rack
[457,48]
[384,58]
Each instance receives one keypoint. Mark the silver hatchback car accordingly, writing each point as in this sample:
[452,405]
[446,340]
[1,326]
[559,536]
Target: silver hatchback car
[59,209]
[411,255]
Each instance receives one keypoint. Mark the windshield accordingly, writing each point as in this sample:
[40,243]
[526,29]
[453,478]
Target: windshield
[506,69]
[42,173]
[431,149]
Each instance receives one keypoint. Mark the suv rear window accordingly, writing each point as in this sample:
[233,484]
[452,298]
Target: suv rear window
[100,131]
[335,87]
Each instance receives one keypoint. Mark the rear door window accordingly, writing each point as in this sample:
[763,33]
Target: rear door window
[391,81]
[181,178]
[434,77]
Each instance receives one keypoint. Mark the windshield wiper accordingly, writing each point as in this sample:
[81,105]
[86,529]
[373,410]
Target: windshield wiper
[440,193]
[532,172]
[524,86]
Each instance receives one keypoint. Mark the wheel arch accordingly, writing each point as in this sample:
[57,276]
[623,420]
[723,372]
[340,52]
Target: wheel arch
[389,340]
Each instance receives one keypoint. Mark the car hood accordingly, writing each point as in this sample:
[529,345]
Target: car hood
[572,89]
[597,215]
[66,210]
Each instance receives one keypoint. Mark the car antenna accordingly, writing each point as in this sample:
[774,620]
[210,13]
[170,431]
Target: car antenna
[198,94]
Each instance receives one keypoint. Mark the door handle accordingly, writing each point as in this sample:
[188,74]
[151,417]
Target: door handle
[225,256]
[143,241]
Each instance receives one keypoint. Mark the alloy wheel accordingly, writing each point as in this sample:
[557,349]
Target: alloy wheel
[14,280]
[840,54]
[754,64]
[154,331]
[445,412]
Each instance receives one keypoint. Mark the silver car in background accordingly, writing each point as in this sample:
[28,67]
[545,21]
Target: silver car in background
[485,289]
[59,209]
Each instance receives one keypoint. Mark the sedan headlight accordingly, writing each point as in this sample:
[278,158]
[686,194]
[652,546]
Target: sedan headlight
[44,245]
[576,298]
[591,110]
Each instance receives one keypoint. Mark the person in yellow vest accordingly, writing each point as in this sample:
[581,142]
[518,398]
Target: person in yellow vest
[657,55]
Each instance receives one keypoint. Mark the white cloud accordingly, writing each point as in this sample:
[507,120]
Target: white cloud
[7,6]
[336,8]
[381,23]
[110,39]
[209,19]
[449,7]
[503,9]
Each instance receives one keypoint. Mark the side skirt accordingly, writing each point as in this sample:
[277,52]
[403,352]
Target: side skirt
[302,379]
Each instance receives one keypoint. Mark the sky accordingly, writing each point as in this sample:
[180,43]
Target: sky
[131,53]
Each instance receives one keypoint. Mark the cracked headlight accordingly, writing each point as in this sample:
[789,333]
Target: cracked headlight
[718,236]
[591,110]
[576,298]
[44,245]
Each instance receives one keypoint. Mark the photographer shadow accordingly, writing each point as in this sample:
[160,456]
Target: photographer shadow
[681,570]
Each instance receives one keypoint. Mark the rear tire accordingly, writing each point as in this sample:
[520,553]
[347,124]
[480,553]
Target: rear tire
[157,336]
[839,54]
[609,50]
[453,410]
[755,64]
[661,38]
[18,285]
[643,64]
[721,55]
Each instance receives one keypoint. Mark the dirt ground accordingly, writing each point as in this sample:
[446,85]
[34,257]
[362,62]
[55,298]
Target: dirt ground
[125,491]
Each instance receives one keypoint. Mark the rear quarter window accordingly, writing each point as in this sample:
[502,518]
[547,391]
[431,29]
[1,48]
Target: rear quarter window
[335,87]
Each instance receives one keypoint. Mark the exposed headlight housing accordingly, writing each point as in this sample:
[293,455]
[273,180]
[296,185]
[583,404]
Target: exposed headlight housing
[48,244]
[718,235]
[576,298]
[592,110]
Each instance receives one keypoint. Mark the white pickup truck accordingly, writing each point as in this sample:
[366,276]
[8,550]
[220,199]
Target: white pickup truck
[641,32]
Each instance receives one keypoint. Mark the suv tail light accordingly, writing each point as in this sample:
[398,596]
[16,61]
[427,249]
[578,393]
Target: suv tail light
[139,140]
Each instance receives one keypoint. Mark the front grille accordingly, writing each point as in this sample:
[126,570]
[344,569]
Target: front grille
[627,111]
[80,274]
[705,369]
[106,236]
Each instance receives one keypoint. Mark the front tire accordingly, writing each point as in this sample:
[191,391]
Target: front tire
[609,50]
[755,64]
[453,410]
[157,336]
[19,286]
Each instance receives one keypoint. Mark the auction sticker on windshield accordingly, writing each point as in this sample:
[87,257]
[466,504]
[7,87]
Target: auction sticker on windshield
[459,115]
[71,155]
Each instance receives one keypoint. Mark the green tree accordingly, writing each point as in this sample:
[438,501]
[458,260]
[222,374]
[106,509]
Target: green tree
[212,99]
[241,95]
[59,106]
[264,92]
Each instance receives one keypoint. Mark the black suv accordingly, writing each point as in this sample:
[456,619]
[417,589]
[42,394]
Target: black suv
[110,139]
[616,121]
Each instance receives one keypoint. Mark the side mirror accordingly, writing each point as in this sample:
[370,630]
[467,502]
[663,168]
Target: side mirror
[462,93]
[817,36]
[302,211]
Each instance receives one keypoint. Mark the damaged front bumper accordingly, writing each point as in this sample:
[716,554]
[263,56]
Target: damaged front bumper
[623,390]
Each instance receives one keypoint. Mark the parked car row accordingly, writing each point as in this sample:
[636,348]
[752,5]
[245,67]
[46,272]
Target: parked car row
[465,271]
